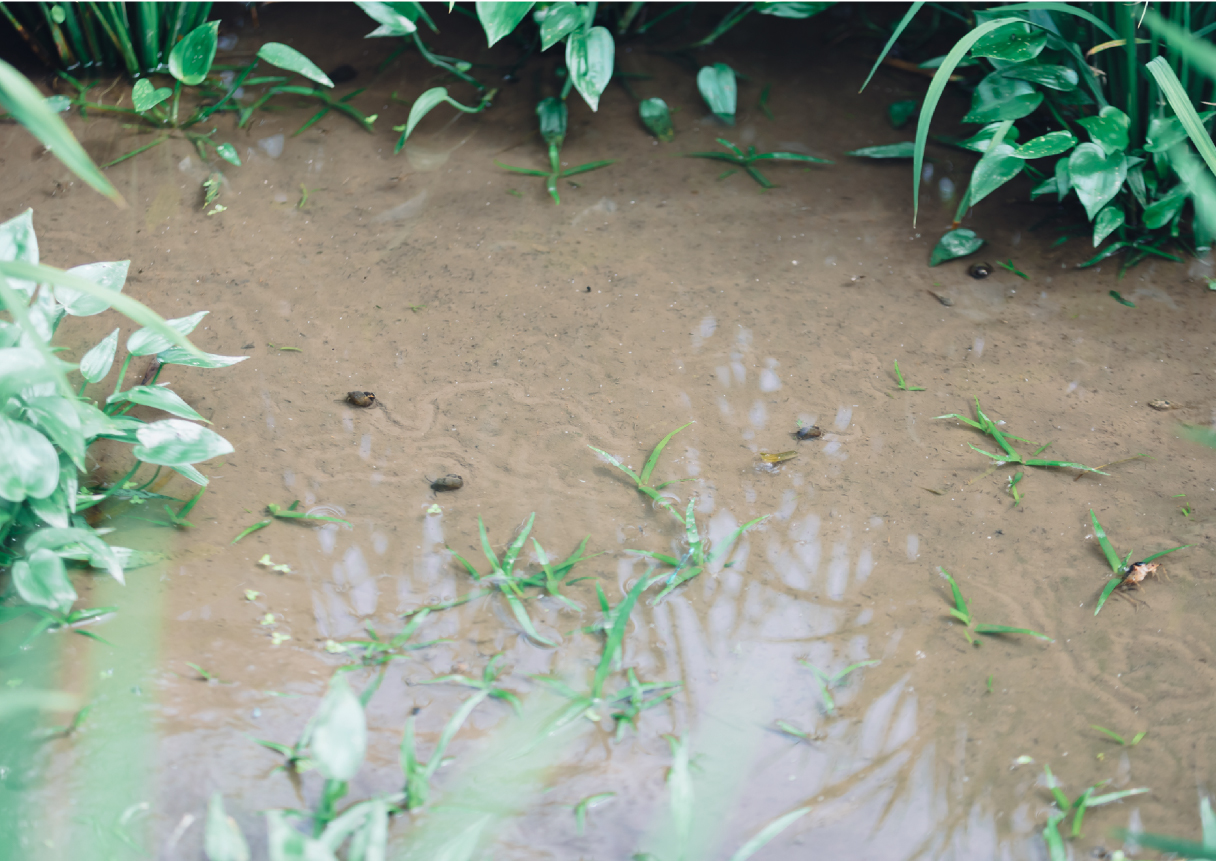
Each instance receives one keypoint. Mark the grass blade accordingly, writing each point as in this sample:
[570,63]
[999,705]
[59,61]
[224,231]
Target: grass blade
[895,34]
[724,546]
[1116,564]
[521,616]
[1105,731]
[963,613]
[508,559]
[936,87]
[21,99]
[1005,629]
[616,636]
[1163,552]
[1111,586]
[1172,89]
[751,847]
[450,729]
[653,460]
[486,548]
[611,459]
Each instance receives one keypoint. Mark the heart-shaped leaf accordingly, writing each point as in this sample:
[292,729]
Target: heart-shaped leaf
[956,243]
[287,57]
[1059,78]
[392,18]
[1014,43]
[589,59]
[718,88]
[110,276]
[339,735]
[96,363]
[1000,98]
[145,97]
[1096,176]
[1108,221]
[174,442]
[997,167]
[1108,129]
[560,20]
[1052,143]
[145,342]
[657,118]
[157,397]
[191,58]
[18,243]
[30,466]
[1159,213]
[41,580]
[499,19]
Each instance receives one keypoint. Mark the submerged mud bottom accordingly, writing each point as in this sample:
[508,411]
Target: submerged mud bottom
[503,336]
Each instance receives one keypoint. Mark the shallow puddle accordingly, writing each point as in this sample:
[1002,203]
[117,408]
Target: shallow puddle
[503,336]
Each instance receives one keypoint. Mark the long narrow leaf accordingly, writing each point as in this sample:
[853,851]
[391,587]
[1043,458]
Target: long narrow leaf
[1116,564]
[1163,552]
[895,34]
[521,616]
[1005,629]
[751,847]
[724,546]
[936,87]
[616,637]
[1171,87]
[450,729]
[19,98]
[653,460]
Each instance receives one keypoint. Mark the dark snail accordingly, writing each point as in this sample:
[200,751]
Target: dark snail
[808,432]
[447,482]
[980,270]
[361,399]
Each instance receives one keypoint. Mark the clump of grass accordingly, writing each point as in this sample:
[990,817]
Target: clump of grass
[1119,567]
[1122,741]
[826,682]
[748,160]
[962,612]
[486,683]
[899,378]
[642,481]
[1077,807]
[288,513]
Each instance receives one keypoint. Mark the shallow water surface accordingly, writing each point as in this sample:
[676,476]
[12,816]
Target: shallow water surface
[503,336]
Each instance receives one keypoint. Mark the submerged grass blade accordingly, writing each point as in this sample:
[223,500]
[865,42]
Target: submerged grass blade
[751,847]
[653,460]
[1005,629]
[1116,564]
[1163,552]
[616,636]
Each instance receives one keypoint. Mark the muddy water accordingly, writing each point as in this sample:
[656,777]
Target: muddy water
[503,335]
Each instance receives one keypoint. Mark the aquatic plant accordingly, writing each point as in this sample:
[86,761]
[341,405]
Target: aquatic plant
[1038,59]
[962,613]
[48,426]
[1120,568]
[748,160]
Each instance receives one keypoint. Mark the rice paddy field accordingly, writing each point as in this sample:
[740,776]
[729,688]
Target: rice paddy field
[790,653]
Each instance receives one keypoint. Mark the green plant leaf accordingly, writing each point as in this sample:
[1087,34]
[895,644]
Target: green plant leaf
[1112,558]
[499,19]
[1108,130]
[286,57]
[999,165]
[552,115]
[1013,43]
[191,58]
[754,845]
[57,417]
[423,106]
[895,34]
[1164,133]
[1096,177]
[26,105]
[936,87]
[1171,87]
[905,149]
[718,88]
[146,341]
[560,20]
[18,243]
[30,467]
[96,363]
[657,119]
[41,579]
[175,442]
[1059,78]
[1000,98]
[1052,143]
[222,838]
[178,356]
[136,311]
[1109,220]
[1160,212]
[793,10]
[339,732]
[287,844]
[1198,433]
[589,60]
[1005,629]
[956,243]
[108,276]
[82,544]
[157,397]
[900,113]
[392,19]
[144,97]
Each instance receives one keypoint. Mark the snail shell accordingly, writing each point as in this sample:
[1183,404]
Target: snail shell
[447,482]
[808,432]
[361,399]
[980,270]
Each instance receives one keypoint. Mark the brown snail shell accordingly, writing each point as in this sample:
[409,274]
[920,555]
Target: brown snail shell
[447,482]
[980,270]
[361,399]
[808,432]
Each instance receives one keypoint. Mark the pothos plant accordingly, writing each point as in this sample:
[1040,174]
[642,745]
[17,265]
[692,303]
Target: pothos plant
[190,64]
[1040,80]
[47,424]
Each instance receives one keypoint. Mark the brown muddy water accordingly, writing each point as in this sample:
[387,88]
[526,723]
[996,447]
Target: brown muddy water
[503,335]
